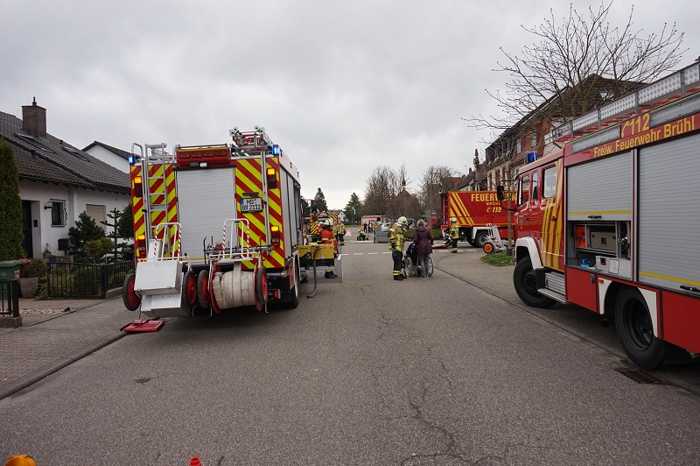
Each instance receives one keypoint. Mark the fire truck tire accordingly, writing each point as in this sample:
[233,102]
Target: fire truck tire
[131,299]
[190,284]
[635,329]
[203,289]
[292,299]
[260,289]
[480,239]
[526,286]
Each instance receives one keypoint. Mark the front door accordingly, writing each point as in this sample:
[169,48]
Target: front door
[27,243]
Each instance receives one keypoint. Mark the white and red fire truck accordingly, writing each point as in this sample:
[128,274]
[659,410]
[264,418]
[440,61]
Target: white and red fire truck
[216,227]
[609,220]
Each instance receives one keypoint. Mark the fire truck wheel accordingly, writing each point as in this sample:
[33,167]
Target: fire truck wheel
[190,282]
[203,289]
[131,299]
[480,239]
[260,288]
[636,331]
[526,285]
[292,299]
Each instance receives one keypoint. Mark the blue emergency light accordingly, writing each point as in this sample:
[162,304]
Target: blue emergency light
[276,149]
[531,157]
[132,159]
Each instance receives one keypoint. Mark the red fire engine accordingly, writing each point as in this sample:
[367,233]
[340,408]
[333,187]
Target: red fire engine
[609,218]
[216,227]
[475,212]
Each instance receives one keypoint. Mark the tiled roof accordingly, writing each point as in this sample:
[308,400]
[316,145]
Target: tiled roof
[53,160]
[118,152]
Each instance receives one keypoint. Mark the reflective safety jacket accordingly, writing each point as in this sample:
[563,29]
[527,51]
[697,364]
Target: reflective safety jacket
[396,238]
[454,232]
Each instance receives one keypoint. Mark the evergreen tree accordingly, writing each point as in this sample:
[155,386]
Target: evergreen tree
[353,209]
[84,231]
[10,206]
[318,204]
[125,226]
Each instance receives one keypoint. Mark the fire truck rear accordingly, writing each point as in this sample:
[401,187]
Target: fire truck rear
[216,227]
[476,212]
[609,220]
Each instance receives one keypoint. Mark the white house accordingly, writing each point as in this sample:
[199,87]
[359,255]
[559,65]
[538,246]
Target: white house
[57,182]
[110,155]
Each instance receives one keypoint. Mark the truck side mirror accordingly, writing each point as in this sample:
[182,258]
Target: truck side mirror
[500,193]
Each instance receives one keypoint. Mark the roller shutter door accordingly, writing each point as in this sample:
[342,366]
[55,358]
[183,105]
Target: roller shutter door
[669,213]
[602,188]
[205,199]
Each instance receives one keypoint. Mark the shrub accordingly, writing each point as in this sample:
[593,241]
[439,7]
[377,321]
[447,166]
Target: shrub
[34,268]
[10,206]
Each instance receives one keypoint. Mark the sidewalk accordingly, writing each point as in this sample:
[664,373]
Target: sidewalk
[34,311]
[30,353]
[466,265]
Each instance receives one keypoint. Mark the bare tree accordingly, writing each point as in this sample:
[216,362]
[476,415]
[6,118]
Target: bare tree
[569,57]
[436,180]
[382,187]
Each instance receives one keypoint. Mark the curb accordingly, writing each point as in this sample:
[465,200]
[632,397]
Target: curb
[40,374]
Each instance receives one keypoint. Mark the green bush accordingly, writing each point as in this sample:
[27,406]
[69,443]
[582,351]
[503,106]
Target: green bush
[10,206]
[34,268]
[98,248]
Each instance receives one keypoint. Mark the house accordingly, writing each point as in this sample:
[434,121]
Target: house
[110,155]
[57,182]
[509,150]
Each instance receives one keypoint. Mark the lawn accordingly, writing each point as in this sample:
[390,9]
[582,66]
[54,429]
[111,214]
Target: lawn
[498,259]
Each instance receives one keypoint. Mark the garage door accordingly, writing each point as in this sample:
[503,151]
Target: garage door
[669,213]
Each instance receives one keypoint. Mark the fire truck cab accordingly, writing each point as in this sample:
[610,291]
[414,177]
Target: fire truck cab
[609,218]
[216,227]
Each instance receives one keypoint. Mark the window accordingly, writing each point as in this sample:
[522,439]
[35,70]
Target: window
[518,146]
[58,213]
[524,190]
[97,212]
[535,187]
[533,139]
[550,182]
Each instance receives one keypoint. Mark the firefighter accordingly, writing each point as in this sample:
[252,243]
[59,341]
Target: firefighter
[397,237]
[454,234]
[326,234]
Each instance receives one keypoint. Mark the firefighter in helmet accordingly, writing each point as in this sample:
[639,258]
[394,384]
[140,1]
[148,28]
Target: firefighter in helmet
[326,234]
[454,234]
[397,237]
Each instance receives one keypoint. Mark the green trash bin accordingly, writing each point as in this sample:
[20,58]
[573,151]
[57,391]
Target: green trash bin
[9,271]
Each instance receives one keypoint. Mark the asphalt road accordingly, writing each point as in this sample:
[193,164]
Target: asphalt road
[370,371]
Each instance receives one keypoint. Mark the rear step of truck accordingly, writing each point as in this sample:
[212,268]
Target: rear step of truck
[555,287]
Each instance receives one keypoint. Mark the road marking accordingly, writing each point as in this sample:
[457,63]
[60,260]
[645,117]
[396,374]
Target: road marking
[386,252]
[358,253]
[372,253]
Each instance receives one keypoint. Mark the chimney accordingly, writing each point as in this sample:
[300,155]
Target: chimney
[34,119]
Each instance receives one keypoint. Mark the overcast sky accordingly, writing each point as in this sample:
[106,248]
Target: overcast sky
[341,86]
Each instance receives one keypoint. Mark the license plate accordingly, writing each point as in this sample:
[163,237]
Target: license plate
[253,204]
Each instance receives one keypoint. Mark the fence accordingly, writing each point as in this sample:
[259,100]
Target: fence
[86,280]
[9,298]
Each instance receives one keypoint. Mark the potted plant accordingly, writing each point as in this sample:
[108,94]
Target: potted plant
[29,276]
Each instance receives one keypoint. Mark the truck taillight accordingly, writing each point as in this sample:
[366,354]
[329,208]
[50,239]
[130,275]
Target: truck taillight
[276,234]
[138,186]
[140,246]
[271,175]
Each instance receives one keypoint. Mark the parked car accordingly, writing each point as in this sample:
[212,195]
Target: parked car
[381,233]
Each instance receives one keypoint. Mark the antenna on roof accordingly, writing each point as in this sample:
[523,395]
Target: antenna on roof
[34,101]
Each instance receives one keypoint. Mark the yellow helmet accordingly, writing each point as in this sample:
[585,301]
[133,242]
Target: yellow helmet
[20,460]
[453,220]
[403,221]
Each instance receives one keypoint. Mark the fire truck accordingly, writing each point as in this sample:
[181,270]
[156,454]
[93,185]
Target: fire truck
[476,212]
[216,227]
[608,219]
